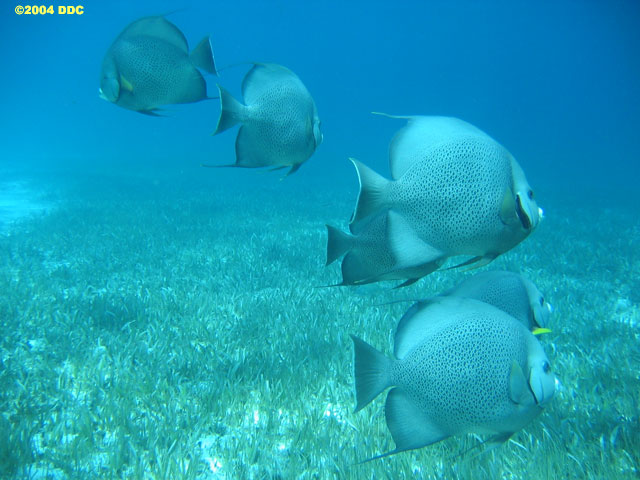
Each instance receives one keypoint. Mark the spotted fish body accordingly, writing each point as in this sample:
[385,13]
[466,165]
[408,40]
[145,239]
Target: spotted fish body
[367,255]
[455,190]
[510,292]
[460,366]
[280,124]
[149,65]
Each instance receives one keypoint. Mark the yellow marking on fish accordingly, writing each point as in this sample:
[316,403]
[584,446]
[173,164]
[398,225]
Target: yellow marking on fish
[540,331]
[126,84]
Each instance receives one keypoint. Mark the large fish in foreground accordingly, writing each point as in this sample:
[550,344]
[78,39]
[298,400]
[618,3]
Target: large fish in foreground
[280,124]
[149,65]
[460,366]
[455,191]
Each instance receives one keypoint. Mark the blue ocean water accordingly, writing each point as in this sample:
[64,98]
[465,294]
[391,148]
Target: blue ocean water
[557,83]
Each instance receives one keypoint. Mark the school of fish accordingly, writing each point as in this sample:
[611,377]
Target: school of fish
[466,360]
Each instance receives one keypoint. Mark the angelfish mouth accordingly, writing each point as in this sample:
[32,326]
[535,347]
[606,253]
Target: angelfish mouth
[522,215]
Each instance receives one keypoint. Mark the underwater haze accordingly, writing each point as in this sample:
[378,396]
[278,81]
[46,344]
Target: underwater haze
[159,319]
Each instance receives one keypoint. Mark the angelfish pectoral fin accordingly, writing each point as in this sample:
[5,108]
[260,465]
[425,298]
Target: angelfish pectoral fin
[522,214]
[519,386]
[508,213]
[126,84]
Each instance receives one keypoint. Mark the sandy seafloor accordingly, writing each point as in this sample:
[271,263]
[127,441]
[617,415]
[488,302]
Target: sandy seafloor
[155,327]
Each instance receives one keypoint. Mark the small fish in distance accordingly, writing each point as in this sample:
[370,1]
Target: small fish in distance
[280,125]
[149,65]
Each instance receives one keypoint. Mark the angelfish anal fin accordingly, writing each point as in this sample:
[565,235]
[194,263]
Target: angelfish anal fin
[410,427]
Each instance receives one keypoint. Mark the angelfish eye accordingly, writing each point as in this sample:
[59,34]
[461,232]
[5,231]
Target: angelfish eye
[546,368]
[530,193]
[542,301]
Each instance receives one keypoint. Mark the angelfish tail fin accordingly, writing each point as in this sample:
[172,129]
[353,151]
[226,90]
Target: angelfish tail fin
[372,195]
[231,111]
[202,56]
[372,371]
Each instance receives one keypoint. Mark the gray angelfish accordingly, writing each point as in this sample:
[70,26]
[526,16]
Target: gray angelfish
[280,124]
[511,293]
[460,366]
[368,257]
[149,65]
[456,192]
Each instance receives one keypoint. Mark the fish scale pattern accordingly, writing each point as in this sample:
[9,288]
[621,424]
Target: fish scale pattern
[460,376]
[452,198]
[280,127]
[160,76]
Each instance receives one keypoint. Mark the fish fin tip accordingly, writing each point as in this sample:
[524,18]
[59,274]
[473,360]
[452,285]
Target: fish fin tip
[382,114]
[382,455]
[293,169]
[227,165]
[490,443]
[474,263]
[331,285]
[406,283]
[152,113]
